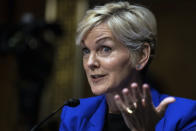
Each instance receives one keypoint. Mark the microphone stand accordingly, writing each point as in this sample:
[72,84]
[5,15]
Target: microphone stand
[71,102]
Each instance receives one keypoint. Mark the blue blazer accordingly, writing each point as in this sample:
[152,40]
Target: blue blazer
[90,114]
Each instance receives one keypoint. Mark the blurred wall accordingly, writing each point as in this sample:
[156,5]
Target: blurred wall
[173,68]
[174,65]
[11,12]
[8,94]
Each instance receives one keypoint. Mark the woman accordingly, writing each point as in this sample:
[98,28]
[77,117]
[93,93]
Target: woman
[118,41]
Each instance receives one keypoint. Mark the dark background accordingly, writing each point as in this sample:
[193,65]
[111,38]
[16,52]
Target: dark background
[173,69]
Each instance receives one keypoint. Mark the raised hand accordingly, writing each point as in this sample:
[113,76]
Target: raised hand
[137,108]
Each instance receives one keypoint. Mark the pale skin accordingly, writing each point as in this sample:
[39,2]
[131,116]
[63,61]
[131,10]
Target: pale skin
[110,71]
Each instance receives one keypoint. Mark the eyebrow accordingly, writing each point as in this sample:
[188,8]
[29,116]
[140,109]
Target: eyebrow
[101,40]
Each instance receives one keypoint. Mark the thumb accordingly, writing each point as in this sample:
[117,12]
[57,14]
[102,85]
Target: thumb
[163,105]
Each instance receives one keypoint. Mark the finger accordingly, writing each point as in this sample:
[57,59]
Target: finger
[119,103]
[147,99]
[127,97]
[163,105]
[136,94]
[126,115]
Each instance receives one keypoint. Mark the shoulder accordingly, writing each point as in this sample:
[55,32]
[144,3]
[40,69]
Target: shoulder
[183,105]
[180,115]
[181,108]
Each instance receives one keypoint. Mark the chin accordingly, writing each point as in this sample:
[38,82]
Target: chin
[98,91]
[95,92]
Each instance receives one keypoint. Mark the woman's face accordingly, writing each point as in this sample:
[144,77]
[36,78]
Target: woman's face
[106,61]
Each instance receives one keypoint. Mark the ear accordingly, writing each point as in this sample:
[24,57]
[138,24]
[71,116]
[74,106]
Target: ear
[144,57]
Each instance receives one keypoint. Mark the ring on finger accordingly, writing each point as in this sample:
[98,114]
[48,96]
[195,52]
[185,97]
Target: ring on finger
[129,110]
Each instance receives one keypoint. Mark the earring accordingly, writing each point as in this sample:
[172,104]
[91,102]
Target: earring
[138,67]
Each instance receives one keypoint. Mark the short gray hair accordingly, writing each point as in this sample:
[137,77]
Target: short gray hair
[133,25]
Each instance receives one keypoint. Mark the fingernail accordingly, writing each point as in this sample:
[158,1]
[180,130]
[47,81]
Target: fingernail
[116,97]
[125,90]
[145,85]
[134,84]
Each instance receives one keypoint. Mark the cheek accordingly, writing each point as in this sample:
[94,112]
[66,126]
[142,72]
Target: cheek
[119,70]
[84,64]
[117,64]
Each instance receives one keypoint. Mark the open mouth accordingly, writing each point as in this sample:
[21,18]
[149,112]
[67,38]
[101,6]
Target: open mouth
[98,77]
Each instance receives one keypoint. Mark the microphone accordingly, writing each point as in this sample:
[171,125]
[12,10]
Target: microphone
[70,102]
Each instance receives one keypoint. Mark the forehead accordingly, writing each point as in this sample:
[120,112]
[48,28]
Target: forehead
[101,27]
[98,32]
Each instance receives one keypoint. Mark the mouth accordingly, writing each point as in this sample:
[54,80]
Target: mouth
[97,77]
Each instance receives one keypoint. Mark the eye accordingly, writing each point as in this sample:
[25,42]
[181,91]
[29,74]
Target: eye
[85,51]
[105,49]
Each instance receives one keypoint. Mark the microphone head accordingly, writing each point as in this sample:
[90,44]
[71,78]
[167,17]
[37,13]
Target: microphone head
[73,102]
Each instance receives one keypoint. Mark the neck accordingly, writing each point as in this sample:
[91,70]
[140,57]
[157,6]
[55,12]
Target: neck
[112,108]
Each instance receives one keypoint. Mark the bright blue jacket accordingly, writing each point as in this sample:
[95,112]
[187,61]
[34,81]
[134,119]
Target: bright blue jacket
[90,114]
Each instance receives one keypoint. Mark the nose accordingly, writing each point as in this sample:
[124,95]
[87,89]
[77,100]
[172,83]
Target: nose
[93,62]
